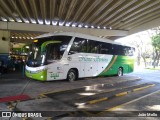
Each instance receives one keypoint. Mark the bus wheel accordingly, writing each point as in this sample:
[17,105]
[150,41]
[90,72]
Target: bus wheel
[120,72]
[71,76]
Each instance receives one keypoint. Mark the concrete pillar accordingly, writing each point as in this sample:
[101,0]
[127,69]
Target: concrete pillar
[4,42]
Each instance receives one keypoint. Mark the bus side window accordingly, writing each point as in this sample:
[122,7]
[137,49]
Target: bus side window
[128,51]
[105,48]
[92,46]
[79,45]
[118,49]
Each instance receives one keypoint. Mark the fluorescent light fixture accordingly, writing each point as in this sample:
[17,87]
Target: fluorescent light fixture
[67,24]
[86,26]
[20,37]
[12,37]
[47,22]
[28,38]
[31,37]
[16,37]
[98,27]
[10,19]
[40,21]
[87,94]
[80,26]
[92,26]
[73,25]
[33,21]
[26,21]
[110,28]
[19,20]
[61,23]
[24,38]
[54,22]
[104,27]
[3,19]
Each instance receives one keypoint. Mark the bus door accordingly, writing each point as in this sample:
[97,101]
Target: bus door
[53,56]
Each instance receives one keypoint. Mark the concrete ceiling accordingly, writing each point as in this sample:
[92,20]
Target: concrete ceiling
[106,18]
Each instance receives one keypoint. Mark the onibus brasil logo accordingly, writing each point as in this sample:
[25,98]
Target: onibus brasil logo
[24,114]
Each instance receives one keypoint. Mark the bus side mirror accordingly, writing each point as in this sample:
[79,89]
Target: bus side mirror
[71,52]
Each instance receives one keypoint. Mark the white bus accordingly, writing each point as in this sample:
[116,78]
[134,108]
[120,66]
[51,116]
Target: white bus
[57,56]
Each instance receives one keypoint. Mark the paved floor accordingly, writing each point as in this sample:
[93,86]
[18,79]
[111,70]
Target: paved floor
[88,97]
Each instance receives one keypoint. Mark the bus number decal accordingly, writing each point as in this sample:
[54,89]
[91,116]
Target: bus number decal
[54,75]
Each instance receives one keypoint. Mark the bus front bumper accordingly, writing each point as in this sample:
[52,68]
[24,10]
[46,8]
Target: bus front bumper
[39,75]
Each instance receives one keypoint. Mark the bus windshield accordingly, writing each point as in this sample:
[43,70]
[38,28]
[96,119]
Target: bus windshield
[46,50]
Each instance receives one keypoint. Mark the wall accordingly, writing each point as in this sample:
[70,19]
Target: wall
[4,44]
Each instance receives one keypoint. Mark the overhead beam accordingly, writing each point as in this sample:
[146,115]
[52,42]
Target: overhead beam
[51,28]
[146,26]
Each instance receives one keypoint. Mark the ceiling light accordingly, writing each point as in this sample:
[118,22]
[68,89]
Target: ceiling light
[86,26]
[33,21]
[92,26]
[40,22]
[19,20]
[3,19]
[10,19]
[61,23]
[47,22]
[27,47]
[98,27]
[74,25]
[67,24]
[80,26]
[26,21]
[104,27]
[54,22]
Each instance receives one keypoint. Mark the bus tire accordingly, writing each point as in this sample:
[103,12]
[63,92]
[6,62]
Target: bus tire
[72,75]
[120,71]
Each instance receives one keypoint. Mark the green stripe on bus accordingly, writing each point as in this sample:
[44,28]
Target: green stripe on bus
[126,62]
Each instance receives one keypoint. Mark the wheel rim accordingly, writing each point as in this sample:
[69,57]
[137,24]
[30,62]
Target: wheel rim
[120,72]
[72,76]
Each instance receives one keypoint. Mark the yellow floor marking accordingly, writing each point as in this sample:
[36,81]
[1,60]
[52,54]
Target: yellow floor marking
[121,94]
[98,100]
[141,88]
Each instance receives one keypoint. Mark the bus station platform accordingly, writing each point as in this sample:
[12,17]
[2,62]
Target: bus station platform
[132,95]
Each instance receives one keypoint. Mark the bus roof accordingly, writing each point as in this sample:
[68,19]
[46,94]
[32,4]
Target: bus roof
[78,35]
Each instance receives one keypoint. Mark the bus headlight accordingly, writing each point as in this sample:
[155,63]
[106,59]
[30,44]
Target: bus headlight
[41,76]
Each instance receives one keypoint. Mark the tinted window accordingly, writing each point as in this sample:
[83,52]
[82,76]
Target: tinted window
[118,50]
[105,48]
[122,50]
[92,46]
[79,45]
[128,51]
